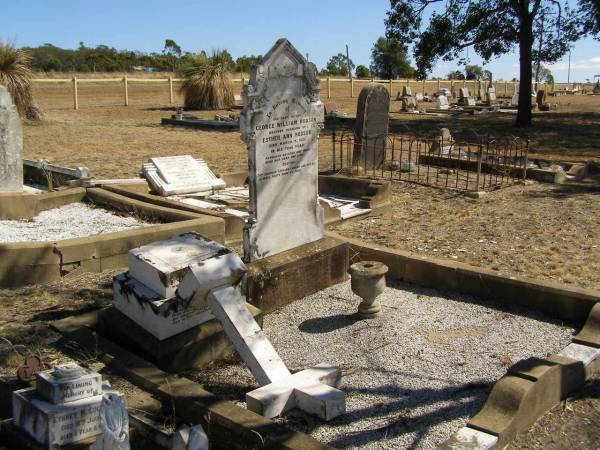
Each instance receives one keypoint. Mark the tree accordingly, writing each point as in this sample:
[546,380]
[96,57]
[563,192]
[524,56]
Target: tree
[492,28]
[542,74]
[590,10]
[362,72]
[456,75]
[473,72]
[338,65]
[389,59]
[173,52]
[244,63]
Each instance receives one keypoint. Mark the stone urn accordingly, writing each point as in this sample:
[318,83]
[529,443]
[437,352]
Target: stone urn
[368,282]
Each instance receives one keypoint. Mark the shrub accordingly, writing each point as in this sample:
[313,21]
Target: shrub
[16,76]
[207,83]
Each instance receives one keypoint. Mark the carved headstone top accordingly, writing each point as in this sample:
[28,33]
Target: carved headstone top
[280,124]
[68,371]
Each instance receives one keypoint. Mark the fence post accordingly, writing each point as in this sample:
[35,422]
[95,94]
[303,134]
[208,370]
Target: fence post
[170,90]
[439,84]
[479,161]
[351,87]
[75,98]
[328,87]
[390,87]
[424,80]
[125,90]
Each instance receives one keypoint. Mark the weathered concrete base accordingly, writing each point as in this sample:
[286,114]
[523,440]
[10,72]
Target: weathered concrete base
[278,280]
[23,205]
[477,195]
[193,348]
[590,333]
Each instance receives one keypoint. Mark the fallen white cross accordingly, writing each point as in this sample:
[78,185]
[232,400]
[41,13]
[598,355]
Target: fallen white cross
[311,390]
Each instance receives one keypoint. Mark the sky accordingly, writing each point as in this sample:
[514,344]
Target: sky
[319,28]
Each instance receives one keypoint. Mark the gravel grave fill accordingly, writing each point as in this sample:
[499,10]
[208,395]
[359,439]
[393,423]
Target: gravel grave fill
[413,376]
[73,220]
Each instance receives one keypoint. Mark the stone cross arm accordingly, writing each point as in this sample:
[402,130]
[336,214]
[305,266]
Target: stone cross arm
[310,390]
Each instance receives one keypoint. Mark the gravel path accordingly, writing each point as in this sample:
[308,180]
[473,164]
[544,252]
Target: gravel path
[413,376]
[69,221]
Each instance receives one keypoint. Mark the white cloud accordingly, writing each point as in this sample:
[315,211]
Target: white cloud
[589,63]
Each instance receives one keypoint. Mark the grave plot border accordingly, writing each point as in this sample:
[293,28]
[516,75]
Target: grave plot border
[227,425]
[529,389]
[24,263]
[26,205]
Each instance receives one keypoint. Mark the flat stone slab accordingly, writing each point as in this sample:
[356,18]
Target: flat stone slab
[161,265]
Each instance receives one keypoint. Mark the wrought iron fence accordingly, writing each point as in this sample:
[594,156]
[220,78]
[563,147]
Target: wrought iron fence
[479,164]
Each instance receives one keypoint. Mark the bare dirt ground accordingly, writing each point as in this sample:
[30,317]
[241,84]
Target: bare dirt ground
[540,231]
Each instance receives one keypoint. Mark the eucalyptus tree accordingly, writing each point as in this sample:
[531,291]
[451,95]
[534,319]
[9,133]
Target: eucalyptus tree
[541,31]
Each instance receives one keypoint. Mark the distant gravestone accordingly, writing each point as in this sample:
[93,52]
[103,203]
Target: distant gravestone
[280,124]
[442,102]
[372,125]
[515,98]
[11,145]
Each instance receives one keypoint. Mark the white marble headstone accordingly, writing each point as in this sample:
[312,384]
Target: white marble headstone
[280,124]
[11,145]
[442,102]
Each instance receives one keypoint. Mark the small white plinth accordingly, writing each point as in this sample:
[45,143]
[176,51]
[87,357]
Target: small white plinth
[59,390]
[51,424]
[161,265]
[161,317]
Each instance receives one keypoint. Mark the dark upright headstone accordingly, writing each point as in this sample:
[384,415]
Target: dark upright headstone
[372,125]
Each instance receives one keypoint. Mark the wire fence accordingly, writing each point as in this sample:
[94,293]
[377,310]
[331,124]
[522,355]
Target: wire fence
[480,164]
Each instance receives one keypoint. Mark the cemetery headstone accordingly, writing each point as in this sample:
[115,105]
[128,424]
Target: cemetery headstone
[11,145]
[406,91]
[63,408]
[490,98]
[515,97]
[442,102]
[372,126]
[280,124]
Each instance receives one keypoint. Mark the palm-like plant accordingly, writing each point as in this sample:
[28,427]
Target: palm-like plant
[16,76]
[207,82]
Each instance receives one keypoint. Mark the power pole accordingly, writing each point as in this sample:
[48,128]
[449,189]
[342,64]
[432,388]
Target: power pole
[348,63]
[569,72]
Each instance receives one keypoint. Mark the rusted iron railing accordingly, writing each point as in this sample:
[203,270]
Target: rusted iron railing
[478,164]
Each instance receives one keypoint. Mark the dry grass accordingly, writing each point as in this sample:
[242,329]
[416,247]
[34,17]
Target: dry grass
[555,228]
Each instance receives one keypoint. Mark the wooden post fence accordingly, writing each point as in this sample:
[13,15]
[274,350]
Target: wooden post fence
[328,87]
[125,90]
[170,90]
[351,87]
[75,98]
